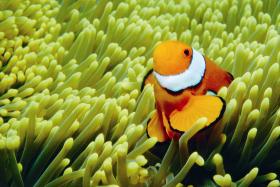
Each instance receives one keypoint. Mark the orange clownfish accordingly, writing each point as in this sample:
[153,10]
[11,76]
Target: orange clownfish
[181,78]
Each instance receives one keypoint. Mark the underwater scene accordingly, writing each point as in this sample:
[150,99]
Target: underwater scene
[139,93]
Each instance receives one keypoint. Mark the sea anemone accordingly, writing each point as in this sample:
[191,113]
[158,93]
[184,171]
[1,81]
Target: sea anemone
[71,109]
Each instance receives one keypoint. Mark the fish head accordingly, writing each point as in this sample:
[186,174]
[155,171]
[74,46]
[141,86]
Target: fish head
[172,57]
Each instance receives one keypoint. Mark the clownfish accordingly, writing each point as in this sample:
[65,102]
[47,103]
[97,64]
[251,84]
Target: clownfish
[182,79]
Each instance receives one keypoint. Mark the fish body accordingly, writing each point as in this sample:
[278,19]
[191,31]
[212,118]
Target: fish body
[181,77]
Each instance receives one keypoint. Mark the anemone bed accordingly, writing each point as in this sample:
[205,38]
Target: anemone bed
[71,109]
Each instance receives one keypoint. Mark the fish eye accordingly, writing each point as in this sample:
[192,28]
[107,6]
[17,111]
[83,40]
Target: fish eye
[187,52]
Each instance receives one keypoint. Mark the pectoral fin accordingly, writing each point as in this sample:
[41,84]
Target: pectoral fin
[170,133]
[156,128]
[208,106]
